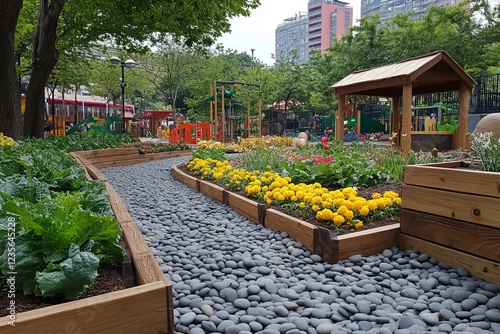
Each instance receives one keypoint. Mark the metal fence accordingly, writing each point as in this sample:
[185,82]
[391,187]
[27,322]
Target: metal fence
[485,99]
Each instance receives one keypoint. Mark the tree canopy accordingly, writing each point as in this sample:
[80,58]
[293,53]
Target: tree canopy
[76,25]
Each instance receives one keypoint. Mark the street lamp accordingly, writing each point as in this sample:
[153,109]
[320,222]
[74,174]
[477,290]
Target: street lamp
[127,63]
[253,62]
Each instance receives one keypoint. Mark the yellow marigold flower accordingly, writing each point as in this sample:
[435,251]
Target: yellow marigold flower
[372,205]
[293,198]
[358,224]
[281,198]
[265,188]
[391,194]
[349,191]
[381,204]
[342,209]
[349,215]
[307,198]
[376,196]
[364,211]
[302,205]
[397,201]
[339,220]
[357,205]
[269,201]
[315,208]
[325,214]
[315,200]
[268,167]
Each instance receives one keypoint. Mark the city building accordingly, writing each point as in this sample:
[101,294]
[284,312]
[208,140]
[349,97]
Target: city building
[298,37]
[292,39]
[390,8]
[328,21]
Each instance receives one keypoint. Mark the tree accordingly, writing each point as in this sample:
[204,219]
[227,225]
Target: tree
[10,117]
[169,69]
[67,25]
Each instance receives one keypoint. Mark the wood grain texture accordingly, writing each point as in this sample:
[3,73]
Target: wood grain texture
[481,210]
[298,229]
[139,309]
[479,240]
[115,157]
[449,177]
[212,190]
[244,206]
[476,266]
[368,242]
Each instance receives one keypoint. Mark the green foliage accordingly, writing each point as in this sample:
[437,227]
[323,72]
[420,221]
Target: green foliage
[337,170]
[51,166]
[213,153]
[55,227]
[262,157]
[61,225]
[486,149]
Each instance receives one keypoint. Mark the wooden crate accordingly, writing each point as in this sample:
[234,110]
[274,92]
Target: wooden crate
[145,308]
[452,213]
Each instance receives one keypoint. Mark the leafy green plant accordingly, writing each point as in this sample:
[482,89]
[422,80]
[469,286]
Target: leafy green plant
[341,171]
[263,158]
[58,243]
[214,153]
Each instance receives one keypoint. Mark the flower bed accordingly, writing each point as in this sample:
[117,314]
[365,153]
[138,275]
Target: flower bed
[452,213]
[317,239]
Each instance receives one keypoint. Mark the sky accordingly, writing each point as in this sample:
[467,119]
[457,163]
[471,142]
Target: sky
[258,30]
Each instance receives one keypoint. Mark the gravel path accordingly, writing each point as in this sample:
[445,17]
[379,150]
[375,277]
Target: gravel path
[232,276]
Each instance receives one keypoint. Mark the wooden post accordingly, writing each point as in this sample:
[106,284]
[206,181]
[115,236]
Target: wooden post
[223,113]
[211,116]
[196,131]
[358,123]
[463,117]
[249,119]
[395,120]
[406,122]
[339,119]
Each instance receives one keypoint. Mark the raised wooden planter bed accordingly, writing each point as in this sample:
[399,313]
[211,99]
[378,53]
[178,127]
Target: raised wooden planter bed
[114,157]
[145,308]
[318,240]
[452,213]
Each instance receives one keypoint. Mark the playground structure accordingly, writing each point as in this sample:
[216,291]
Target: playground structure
[430,73]
[231,123]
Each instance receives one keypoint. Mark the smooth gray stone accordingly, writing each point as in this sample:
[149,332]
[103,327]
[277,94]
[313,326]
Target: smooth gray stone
[493,315]
[430,319]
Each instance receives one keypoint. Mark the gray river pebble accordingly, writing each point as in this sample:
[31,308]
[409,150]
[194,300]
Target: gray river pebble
[230,275]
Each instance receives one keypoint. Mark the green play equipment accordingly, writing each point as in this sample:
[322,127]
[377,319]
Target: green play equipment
[111,124]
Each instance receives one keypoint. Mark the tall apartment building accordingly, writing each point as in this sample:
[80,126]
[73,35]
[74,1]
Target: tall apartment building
[292,39]
[328,20]
[390,8]
[304,34]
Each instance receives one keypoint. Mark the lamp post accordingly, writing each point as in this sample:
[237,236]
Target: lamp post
[127,63]
[253,62]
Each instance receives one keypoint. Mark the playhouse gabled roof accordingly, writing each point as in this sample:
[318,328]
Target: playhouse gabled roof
[430,73]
